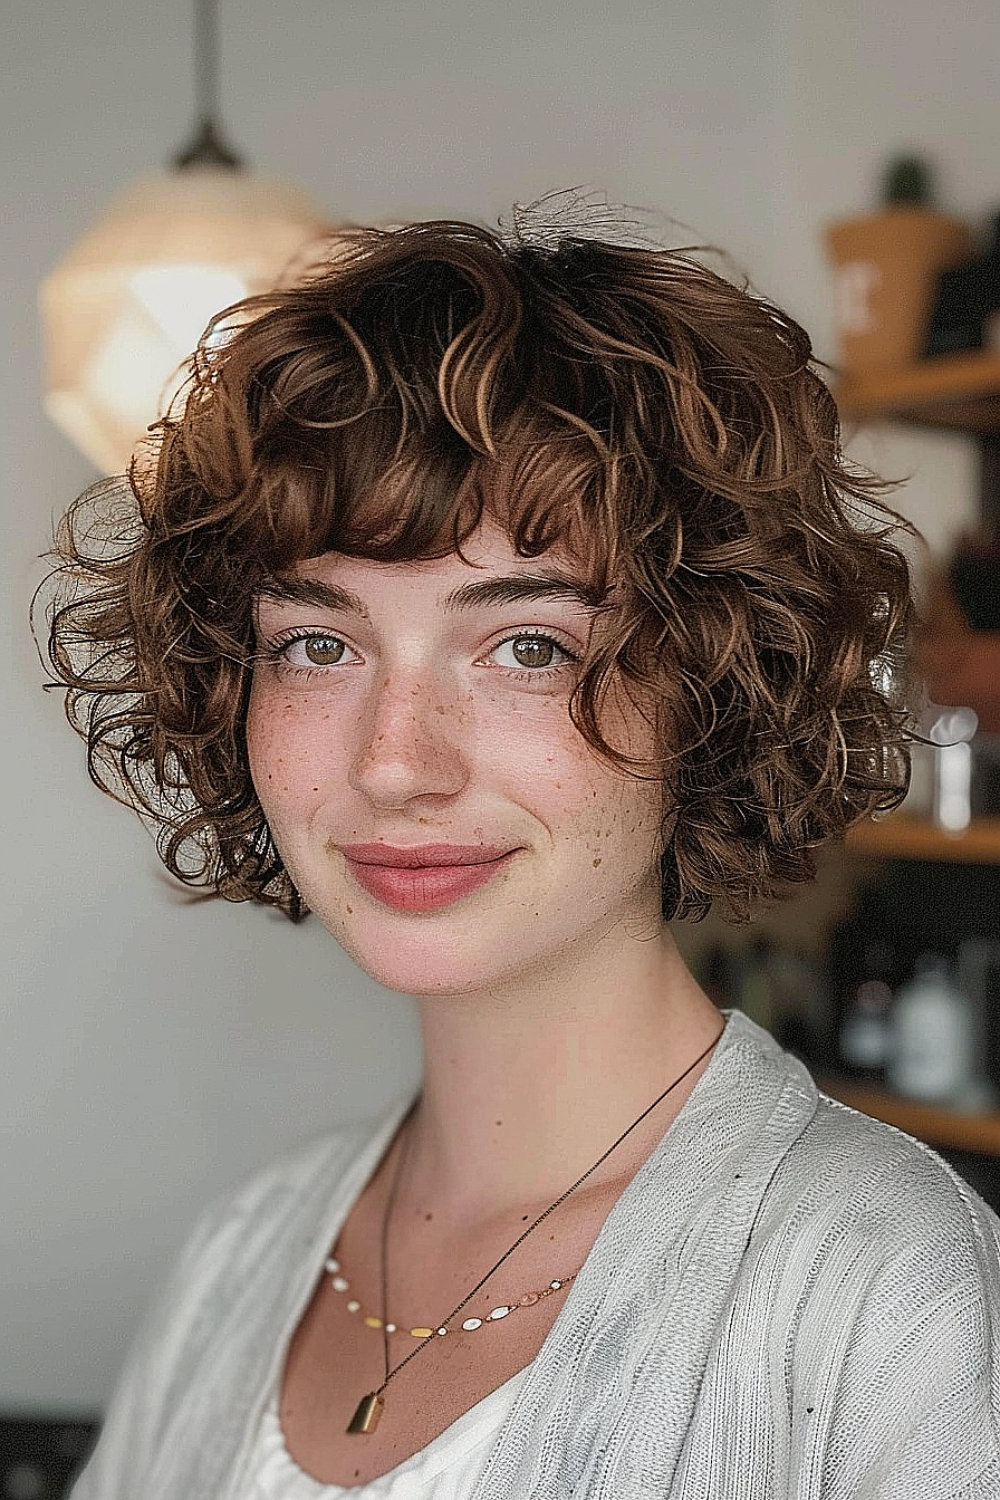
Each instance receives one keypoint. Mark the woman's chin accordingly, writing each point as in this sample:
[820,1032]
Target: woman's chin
[424,964]
[426,978]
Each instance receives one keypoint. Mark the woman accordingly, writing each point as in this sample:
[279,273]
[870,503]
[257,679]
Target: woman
[499,602]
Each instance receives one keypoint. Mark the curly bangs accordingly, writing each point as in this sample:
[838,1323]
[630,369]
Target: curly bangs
[626,405]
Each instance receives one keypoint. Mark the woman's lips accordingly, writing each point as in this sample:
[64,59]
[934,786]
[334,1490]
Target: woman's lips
[427,886]
[414,856]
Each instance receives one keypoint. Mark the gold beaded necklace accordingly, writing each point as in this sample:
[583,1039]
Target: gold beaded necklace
[340,1283]
[371,1406]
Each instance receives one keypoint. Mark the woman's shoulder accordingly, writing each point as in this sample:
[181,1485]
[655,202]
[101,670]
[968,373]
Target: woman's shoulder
[859,1199]
[308,1177]
[278,1209]
[893,1280]
[889,1174]
[863,1310]
[836,1163]
[241,1275]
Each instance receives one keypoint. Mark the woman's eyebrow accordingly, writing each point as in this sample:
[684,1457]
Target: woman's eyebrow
[514,589]
[518,587]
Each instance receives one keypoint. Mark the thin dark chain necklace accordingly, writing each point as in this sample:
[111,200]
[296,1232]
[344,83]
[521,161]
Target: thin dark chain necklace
[370,1407]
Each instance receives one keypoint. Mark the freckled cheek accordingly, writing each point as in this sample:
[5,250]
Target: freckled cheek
[616,823]
[290,756]
[559,781]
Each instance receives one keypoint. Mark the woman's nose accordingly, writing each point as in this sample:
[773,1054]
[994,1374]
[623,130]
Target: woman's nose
[411,741]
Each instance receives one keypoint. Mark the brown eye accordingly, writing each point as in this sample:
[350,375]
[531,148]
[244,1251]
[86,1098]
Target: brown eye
[316,650]
[533,654]
[533,651]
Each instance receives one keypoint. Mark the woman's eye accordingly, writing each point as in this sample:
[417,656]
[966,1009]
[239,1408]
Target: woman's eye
[313,651]
[536,653]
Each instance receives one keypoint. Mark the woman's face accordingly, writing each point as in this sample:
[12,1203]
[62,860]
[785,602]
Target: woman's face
[406,717]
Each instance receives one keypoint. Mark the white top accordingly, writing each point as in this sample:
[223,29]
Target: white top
[446,1469]
[789,1299]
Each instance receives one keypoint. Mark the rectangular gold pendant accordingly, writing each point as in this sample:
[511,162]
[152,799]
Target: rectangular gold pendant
[366,1417]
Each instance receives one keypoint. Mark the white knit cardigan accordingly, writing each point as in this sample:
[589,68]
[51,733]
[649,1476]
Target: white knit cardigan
[788,1300]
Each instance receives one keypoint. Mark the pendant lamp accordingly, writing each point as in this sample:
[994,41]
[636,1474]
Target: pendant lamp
[126,307]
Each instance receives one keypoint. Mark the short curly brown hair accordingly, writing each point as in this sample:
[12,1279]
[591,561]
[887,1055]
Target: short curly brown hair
[628,404]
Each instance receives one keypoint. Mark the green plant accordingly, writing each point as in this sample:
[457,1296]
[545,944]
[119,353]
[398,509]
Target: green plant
[906,179]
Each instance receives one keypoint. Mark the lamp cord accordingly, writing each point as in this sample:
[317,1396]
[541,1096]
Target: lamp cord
[207,147]
[206,60]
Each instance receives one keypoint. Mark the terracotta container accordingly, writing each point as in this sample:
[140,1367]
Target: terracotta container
[886,268]
[959,665]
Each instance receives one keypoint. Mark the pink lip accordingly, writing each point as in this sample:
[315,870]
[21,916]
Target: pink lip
[415,856]
[424,886]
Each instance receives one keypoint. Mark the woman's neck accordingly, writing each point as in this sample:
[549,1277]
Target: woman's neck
[523,1091]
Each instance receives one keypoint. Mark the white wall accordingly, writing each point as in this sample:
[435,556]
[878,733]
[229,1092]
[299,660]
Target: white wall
[151,1052]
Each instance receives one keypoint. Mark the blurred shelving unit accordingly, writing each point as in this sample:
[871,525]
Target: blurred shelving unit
[900,836]
[955,392]
[959,392]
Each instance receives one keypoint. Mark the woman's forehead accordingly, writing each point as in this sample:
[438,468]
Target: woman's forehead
[488,549]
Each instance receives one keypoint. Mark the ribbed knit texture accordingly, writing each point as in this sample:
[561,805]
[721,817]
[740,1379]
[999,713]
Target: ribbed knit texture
[788,1300]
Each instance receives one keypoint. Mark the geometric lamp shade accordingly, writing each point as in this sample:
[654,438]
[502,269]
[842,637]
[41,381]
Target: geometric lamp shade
[125,308]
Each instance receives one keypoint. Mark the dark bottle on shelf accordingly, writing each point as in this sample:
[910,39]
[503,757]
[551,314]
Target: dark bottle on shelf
[967,302]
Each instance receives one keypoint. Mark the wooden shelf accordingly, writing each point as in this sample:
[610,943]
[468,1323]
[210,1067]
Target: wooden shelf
[937,1124]
[956,391]
[901,837]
